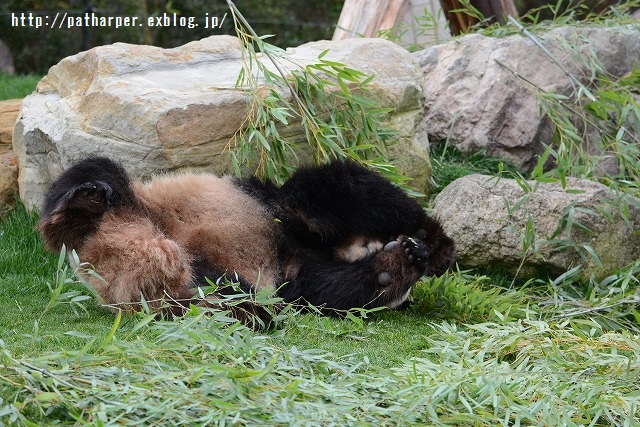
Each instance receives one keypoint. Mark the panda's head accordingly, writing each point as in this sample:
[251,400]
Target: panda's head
[78,199]
[91,185]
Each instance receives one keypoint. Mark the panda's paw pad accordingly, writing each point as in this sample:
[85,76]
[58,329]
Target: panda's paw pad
[389,247]
[384,278]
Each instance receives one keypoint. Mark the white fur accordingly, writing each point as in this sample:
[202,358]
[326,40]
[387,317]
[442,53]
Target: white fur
[399,301]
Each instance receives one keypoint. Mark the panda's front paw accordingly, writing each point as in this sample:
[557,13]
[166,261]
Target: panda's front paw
[92,196]
[399,265]
[415,251]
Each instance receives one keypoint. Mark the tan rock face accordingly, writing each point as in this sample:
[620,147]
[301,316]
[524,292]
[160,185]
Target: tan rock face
[9,110]
[160,109]
[8,179]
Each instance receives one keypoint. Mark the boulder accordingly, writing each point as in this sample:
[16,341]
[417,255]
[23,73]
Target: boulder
[476,91]
[8,179]
[163,109]
[547,230]
[9,110]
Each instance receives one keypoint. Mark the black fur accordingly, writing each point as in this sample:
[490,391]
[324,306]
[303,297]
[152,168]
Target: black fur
[319,212]
[84,174]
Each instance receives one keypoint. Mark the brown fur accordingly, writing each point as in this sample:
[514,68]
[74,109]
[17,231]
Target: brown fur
[318,238]
[144,250]
[133,258]
[209,215]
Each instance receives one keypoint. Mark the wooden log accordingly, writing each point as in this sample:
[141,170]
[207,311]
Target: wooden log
[490,11]
[365,18]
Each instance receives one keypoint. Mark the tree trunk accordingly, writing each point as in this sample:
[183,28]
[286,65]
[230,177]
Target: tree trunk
[484,12]
[366,17]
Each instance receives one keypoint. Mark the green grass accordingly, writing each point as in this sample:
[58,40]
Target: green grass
[28,273]
[474,350]
[449,164]
[17,86]
[469,352]
[25,270]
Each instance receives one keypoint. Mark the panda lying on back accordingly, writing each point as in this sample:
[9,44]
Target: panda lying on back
[337,236]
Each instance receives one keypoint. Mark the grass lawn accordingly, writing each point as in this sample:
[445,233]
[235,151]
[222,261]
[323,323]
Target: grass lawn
[26,272]
[472,351]
[82,365]
[33,322]
[17,86]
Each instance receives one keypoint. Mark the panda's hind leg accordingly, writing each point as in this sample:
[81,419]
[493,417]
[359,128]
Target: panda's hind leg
[134,262]
[352,211]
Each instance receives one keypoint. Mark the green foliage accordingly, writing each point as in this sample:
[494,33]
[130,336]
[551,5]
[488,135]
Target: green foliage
[17,86]
[607,119]
[29,281]
[572,12]
[197,371]
[449,164]
[530,373]
[467,298]
[475,349]
[611,303]
[60,292]
[329,101]
[539,20]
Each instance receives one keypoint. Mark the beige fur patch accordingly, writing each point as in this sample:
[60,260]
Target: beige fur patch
[357,248]
[210,215]
[134,258]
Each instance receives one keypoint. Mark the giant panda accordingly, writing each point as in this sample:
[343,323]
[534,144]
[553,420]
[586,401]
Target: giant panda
[337,236]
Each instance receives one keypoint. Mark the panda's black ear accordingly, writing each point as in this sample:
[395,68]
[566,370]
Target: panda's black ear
[91,197]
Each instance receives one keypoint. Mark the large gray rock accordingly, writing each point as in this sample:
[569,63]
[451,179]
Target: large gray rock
[474,101]
[488,219]
[162,109]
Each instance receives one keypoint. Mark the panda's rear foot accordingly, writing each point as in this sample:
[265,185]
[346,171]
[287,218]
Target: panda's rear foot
[414,249]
